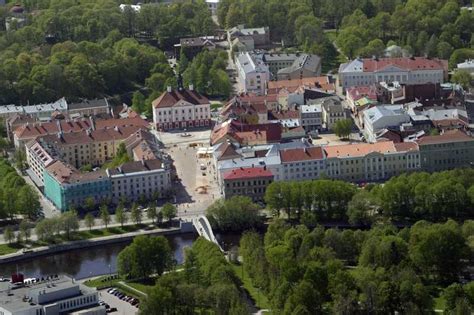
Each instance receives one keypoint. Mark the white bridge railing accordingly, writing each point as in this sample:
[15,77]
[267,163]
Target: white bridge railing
[204,229]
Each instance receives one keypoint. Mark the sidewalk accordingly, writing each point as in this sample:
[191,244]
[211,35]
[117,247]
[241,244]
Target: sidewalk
[43,250]
[185,217]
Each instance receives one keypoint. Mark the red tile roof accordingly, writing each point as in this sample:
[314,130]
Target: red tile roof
[301,154]
[254,98]
[285,114]
[446,137]
[169,99]
[322,83]
[238,106]
[247,134]
[248,173]
[358,92]
[406,146]
[417,63]
[359,149]
[29,131]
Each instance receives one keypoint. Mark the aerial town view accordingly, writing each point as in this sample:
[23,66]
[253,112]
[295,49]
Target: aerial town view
[214,157]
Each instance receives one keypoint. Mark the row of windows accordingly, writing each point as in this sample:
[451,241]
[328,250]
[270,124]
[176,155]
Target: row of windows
[182,118]
[170,112]
[249,183]
[256,190]
[77,302]
[137,185]
[137,192]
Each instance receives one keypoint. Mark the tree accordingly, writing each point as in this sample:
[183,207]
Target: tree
[89,219]
[8,234]
[45,230]
[120,215]
[25,230]
[105,215]
[342,128]
[360,209]
[28,201]
[444,260]
[144,257]
[136,214]
[90,203]
[273,197]
[235,214]
[151,213]
[138,102]
[463,78]
[69,222]
[159,217]
[169,211]
[20,159]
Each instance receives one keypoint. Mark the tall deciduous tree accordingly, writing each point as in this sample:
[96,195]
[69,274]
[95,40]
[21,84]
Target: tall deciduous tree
[89,219]
[120,215]
[104,215]
[169,211]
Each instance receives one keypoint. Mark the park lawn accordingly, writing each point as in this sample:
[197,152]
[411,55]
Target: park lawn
[6,249]
[215,105]
[85,235]
[439,303]
[101,282]
[143,286]
[258,296]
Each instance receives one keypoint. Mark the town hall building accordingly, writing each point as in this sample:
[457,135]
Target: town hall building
[180,109]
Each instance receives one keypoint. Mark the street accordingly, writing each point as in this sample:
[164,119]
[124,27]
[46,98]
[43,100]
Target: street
[196,189]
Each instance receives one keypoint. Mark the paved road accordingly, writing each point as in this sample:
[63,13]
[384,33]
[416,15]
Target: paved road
[123,308]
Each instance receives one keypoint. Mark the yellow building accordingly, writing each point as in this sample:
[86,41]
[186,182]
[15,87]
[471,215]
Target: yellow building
[368,162]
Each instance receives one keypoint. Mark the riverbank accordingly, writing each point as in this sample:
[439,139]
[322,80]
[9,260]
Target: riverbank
[185,227]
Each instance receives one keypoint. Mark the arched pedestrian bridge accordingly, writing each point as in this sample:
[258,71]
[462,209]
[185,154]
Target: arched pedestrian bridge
[204,229]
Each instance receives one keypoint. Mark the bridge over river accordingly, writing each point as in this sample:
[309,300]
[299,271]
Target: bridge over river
[204,229]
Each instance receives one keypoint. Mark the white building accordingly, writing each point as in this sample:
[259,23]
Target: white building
[253,73]
[133,180]
[305,163]
[415,70]
[38,158]
[381,117]
[180,109]
[57,295]
[213,5]
[311,117]
[467,65]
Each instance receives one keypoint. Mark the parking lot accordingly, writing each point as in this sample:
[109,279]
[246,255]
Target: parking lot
[122,307]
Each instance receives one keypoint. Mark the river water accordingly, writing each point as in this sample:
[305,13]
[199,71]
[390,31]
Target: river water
[97,260]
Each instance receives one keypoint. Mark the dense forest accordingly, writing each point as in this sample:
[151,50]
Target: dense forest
[91,48]
[436,28]
[380,271]
[207,284]
[16,196]
[404,198]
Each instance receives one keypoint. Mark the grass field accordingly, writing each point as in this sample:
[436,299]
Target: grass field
[142,286]
[6,249]
[257,295]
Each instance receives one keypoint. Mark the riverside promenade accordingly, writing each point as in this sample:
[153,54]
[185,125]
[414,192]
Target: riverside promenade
[22,254]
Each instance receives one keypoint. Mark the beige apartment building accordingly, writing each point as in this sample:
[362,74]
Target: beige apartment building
[78,149]
[449,150]
[368,162]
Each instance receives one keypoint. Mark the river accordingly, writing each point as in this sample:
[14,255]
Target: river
[98,260]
